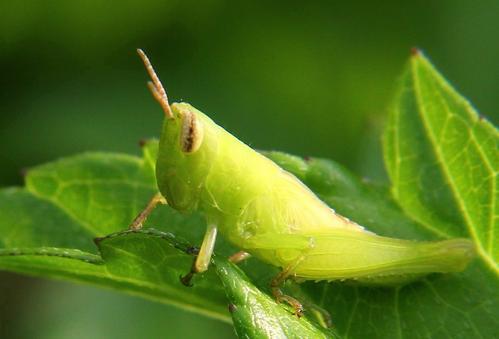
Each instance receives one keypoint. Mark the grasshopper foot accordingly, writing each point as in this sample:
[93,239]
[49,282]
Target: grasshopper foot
[186,280]
[281,297]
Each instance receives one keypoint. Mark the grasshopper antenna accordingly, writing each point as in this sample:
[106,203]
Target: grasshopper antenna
[157,89]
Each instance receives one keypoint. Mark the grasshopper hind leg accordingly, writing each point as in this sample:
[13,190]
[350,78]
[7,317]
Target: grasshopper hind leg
[301,244]
[279,280]
[321,315]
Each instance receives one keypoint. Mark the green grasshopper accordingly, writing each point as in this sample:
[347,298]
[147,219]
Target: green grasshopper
[268,213]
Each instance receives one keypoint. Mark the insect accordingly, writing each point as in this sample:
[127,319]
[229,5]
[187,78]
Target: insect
[268,213]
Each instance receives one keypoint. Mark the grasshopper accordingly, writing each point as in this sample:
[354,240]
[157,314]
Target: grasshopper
[270,214]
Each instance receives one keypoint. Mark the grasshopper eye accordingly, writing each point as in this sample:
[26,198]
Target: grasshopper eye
[191,135]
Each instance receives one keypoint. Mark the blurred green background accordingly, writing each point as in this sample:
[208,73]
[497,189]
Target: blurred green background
[310,78]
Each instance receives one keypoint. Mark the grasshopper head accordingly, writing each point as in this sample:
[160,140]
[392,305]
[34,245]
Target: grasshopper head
[187,145]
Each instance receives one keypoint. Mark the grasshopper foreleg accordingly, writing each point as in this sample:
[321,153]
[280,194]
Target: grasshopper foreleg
[141,218]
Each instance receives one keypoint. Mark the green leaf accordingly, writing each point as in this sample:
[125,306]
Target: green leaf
[443,163]
[447,187]
[441,158]
[48,228]
[256,315]
[154,261]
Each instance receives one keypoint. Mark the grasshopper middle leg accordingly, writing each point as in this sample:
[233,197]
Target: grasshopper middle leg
[202,260]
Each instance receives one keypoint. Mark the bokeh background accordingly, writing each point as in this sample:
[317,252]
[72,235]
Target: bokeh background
[310,78]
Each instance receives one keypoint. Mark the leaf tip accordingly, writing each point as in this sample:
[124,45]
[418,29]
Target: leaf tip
[415,52]
[482,118]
